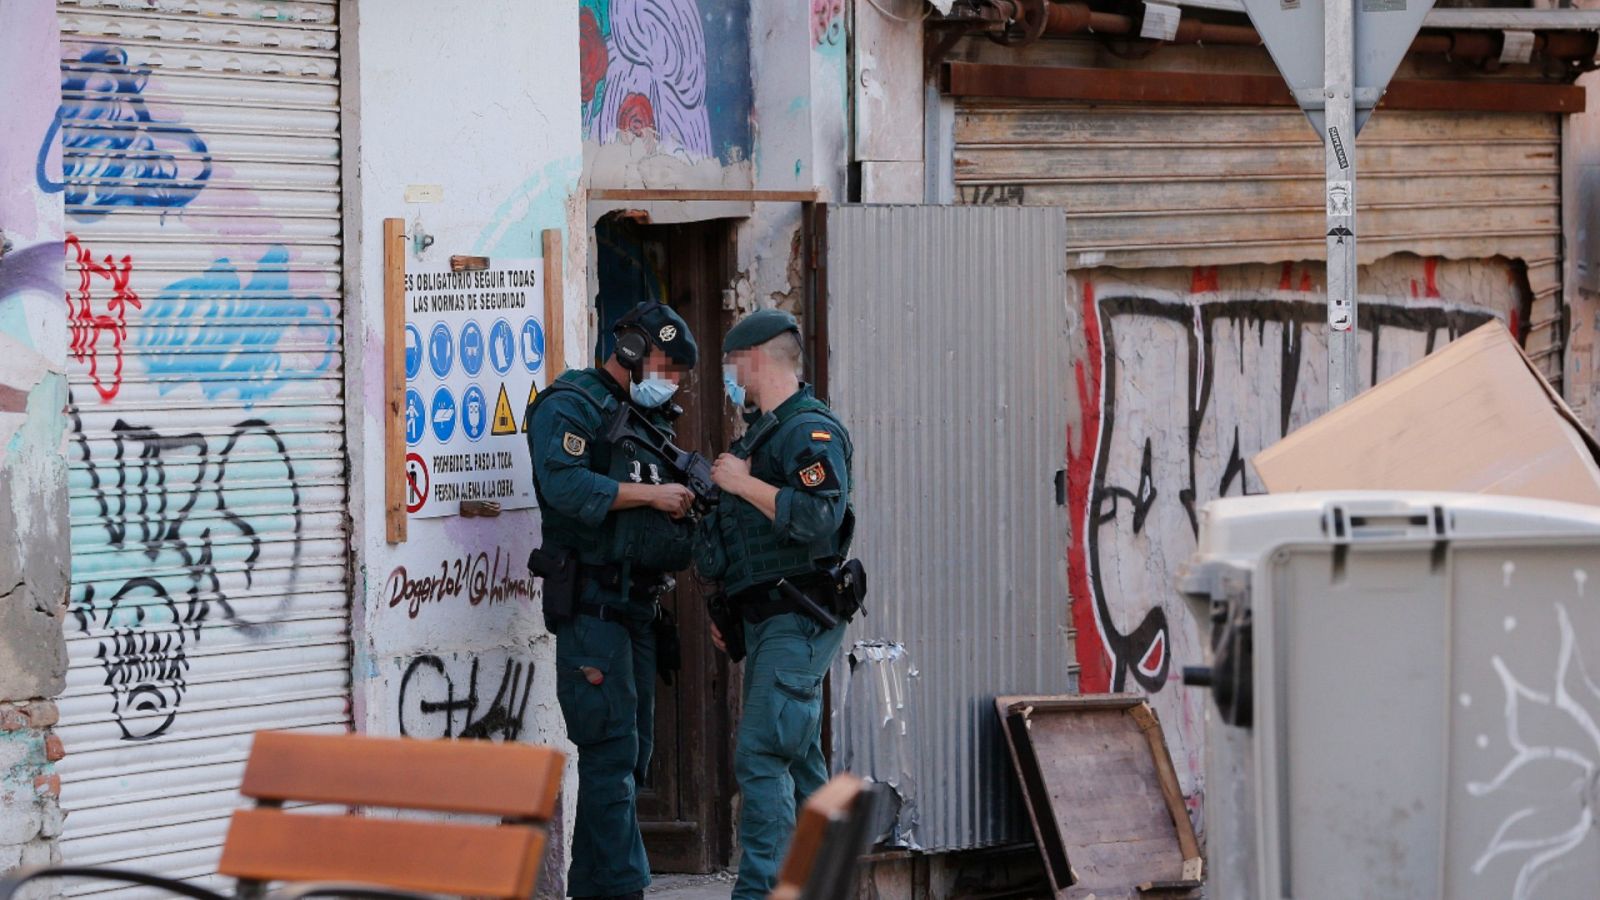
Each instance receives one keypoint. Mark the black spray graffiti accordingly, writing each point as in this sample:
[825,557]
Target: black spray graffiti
[162,502]
[1190,391]
[430,700]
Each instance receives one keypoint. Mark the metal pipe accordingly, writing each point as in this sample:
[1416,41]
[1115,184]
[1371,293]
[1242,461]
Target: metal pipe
[1064,19]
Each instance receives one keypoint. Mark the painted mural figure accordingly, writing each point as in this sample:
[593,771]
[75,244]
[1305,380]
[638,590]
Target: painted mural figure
[610,543]
[643,68]
[777,542]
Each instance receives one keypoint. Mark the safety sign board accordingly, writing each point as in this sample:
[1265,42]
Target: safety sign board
[474,341]
[416,483]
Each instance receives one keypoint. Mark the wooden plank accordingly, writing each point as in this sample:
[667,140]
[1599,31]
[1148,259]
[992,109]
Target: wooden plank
[963,79]
[436,857]
[1162,887]
[1035,798]
[394,379]
[833,802]
[1150,724]
[680,195]
[518,781]
[555,333]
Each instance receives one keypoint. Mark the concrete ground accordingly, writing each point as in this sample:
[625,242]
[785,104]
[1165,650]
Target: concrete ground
[716,886]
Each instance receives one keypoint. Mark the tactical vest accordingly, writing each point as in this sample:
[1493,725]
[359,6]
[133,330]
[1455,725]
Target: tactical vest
[755,553]
[644,537]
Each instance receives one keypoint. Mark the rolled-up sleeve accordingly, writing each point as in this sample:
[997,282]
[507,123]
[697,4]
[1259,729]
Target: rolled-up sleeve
[561,442]
[811,504]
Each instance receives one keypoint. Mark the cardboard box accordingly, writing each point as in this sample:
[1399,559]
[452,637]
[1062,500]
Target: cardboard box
[1474,417]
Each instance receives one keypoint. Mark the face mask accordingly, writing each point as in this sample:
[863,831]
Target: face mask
[652,392]
[730,381]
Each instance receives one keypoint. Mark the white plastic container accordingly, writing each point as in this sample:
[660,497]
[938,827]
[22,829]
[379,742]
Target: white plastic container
[1424,715]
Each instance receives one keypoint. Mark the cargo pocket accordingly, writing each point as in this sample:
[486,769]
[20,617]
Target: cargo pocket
[797,711]
[590,709]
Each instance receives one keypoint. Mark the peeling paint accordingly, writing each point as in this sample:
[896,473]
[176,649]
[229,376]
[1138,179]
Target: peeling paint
[875,727]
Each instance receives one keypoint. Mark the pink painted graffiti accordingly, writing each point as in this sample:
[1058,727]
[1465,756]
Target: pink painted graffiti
[827,21]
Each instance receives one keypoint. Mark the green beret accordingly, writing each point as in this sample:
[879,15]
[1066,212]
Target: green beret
[757,328]
[666,330]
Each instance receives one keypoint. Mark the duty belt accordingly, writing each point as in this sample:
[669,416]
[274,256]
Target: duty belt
[760,602]
[610,612]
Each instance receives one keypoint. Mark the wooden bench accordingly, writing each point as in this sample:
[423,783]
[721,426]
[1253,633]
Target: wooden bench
[836,827]
[341,854]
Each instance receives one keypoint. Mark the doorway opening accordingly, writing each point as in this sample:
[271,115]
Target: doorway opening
[685,804]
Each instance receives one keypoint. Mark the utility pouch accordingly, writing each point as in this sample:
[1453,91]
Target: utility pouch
[669,650]
[558,566]
[849,588]
[730,624]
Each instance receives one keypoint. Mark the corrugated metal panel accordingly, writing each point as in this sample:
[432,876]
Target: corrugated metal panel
[1153,186]
[948,360]
[209,539]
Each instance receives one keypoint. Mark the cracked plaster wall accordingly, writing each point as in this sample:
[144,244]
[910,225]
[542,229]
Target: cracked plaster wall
[33,473]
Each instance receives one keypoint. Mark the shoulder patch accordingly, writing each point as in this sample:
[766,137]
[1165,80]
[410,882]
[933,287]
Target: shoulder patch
[573,444]
[820,435]
[814,472]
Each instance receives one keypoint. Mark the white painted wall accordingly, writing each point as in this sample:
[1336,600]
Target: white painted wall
[480,98]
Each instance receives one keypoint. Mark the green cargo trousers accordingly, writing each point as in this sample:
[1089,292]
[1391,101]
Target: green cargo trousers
[613,725]
[779,761]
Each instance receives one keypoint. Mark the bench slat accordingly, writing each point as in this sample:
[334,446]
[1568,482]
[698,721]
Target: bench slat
[436,857]
[515,781]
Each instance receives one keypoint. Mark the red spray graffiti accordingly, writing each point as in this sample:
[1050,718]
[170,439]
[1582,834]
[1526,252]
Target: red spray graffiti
[1094,669]
[87,326]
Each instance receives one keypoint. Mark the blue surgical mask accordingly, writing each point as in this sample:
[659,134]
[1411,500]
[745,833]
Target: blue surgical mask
[652,392]
[730,381]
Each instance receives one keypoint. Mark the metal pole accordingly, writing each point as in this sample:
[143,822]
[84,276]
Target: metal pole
[1340,145]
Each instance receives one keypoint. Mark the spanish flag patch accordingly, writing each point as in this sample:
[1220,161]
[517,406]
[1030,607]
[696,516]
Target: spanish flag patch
[821,436]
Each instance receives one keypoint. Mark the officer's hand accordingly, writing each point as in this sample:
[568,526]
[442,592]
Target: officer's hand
[728,471]
[716,638]
[673,499]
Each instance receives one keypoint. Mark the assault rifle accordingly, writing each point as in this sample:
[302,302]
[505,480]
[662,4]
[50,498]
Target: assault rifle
[691,468]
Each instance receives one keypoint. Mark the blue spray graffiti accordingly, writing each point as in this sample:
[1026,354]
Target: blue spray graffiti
[115,154]
[223,334]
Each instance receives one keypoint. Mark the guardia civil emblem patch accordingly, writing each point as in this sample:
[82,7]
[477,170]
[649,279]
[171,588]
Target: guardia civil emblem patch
[573,444]
[667,333]
[814,475]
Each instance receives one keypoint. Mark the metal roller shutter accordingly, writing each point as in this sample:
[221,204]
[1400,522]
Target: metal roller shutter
[1155,186]
[208,496]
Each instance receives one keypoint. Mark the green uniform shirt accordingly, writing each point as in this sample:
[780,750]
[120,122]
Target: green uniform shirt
[568,430]
[804,451]
[562,440]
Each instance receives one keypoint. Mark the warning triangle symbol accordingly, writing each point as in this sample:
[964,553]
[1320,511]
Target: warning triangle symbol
[533,391]
[504,421]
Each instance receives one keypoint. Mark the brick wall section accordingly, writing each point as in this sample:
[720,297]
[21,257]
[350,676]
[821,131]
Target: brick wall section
[30,808]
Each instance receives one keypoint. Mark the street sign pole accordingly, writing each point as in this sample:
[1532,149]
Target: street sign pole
[1339,146]
[1362,43]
